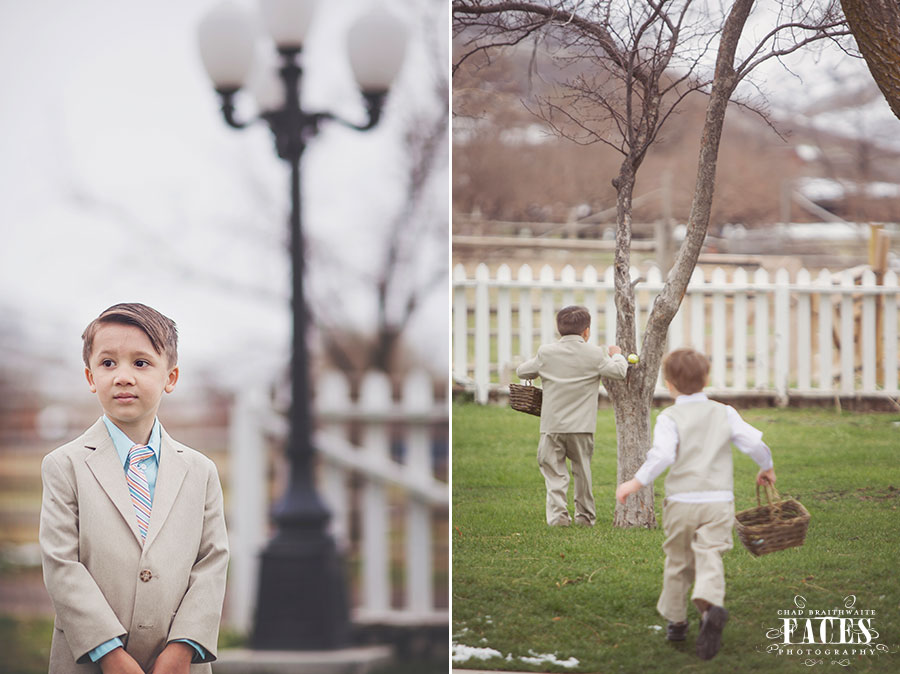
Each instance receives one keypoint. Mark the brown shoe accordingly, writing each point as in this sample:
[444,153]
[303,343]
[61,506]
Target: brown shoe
[561,521]
[583,521]
[676,631]
[709,641]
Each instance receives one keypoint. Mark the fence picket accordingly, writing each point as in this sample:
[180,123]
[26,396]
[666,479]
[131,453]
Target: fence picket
[375,400]
[804,339]
[418,399]
[761,328]
[867,345]
[460,325]
[589,279]
[718,328]
[889,321]
[739,359]
[548,307]
[526,313]
[698,318]
[482,334]
[782,332]
[504,322]
[826,343]
[847,346]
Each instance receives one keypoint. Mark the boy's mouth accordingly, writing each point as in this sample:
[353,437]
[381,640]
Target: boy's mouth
[125,396]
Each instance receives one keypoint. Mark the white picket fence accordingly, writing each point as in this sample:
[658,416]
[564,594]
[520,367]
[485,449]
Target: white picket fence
[806,336]
[387,485]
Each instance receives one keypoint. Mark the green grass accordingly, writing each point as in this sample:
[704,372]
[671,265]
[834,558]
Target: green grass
[521,586]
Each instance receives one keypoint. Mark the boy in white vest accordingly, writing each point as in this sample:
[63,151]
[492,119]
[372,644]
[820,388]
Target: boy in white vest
[570,371]
[694,437]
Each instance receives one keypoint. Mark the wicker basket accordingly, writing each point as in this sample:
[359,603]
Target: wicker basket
[526,398]
[766,528]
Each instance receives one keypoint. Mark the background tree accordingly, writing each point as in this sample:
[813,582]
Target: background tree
[638,61]
[876,26]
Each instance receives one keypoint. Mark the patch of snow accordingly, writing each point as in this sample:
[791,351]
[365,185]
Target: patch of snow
[463,653]
[550,658]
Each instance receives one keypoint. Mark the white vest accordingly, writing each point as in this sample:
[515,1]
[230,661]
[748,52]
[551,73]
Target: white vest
[703,459]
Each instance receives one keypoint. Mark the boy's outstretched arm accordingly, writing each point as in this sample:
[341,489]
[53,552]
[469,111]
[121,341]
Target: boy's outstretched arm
[529,369]
[614,364]
[626,489]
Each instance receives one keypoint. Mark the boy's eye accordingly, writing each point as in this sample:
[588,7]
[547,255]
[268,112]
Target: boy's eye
[142,363]
[106,362]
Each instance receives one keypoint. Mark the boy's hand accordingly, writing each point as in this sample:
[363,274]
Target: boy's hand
[766,477]
[175,659]
[626,489]
[117,661]
[613,350]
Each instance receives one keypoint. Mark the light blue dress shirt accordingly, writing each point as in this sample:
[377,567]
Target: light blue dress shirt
[150,468]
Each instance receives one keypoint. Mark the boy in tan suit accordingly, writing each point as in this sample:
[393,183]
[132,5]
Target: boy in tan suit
[132,531]
[694,437]
[570,371]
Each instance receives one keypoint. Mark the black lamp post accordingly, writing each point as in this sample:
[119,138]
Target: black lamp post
[302,600]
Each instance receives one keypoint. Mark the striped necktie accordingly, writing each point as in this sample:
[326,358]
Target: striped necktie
[137,485]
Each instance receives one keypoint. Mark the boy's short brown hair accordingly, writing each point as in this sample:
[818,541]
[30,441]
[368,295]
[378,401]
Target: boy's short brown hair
[573,320]
[686,369]
[159,329]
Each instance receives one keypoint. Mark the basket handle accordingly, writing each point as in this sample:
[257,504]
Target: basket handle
[771,494]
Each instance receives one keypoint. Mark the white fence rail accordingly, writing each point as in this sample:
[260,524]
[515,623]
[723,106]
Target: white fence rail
[832,334]
[398,501]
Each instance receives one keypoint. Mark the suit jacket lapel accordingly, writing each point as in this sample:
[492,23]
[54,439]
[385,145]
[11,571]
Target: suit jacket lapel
[172,469]
[107,468]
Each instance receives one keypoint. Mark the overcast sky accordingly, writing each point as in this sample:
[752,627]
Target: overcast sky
[119,181]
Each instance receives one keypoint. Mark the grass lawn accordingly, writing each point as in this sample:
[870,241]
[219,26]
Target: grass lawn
[523,589]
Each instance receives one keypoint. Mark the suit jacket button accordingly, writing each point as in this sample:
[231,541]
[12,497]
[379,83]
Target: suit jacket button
[146,575]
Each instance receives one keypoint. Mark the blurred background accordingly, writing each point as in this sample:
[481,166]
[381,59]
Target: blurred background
[120,182]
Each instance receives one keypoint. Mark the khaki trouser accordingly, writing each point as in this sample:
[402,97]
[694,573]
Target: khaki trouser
[553,450]
[697,535]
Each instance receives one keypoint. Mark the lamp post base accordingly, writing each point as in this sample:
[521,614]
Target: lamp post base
[302,599]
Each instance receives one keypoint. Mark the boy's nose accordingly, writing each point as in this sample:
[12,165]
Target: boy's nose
[124,376]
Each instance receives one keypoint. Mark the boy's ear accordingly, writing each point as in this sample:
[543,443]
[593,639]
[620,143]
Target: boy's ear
[171,380]
[90,379]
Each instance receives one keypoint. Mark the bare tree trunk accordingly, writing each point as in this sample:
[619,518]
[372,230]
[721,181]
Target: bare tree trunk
[876,26]
[633,397]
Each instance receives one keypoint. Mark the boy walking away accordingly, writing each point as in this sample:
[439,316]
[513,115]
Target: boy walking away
[570,371]
[132,531]
[693,439]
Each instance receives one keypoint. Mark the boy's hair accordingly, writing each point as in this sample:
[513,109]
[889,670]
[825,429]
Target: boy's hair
[159,329]
[686,369]
[573,320]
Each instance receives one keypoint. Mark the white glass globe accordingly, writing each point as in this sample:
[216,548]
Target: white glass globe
[377,44]
[226,36]
[287,21]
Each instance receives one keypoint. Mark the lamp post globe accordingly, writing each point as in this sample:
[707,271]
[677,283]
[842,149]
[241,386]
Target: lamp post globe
[302,599]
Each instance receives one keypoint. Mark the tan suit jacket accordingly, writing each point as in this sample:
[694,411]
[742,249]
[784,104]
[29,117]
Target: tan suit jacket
[102,581]
[570,372]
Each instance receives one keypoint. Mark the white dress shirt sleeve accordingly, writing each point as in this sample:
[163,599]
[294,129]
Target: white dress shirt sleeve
[662,453]
[749,440]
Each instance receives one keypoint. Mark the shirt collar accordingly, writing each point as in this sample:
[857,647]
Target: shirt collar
[692,398]
[124,444]
[571,338]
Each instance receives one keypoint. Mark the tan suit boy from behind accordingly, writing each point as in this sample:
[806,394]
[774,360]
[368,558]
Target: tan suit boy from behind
[570,371]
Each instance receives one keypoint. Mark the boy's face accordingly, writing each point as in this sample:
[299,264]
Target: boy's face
[128,375]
